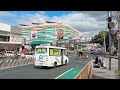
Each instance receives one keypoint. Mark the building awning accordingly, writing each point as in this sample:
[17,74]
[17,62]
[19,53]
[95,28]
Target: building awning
[19,43]
[40,42]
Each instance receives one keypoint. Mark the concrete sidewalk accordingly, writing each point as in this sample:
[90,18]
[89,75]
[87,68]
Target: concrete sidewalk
[100,73]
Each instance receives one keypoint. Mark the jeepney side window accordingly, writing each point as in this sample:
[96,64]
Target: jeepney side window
[51,52]
[66,52]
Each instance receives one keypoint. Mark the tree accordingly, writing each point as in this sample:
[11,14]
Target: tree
[100,38]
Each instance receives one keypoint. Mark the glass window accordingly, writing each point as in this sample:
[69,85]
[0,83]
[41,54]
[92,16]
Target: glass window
[41,50]
[51,52]
[55,52]
[66,52]
[59,51]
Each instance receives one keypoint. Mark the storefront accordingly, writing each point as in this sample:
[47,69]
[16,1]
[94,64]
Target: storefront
[10,36]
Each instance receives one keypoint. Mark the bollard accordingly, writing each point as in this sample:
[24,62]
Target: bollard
[14,64]
[24,61]
[11,63]
[2,63]
[6,63]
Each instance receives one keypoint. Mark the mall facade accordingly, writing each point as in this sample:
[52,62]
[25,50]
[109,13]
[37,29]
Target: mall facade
[49,33]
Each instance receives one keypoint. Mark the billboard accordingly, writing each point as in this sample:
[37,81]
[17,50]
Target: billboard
[13,39]
[33,35]
[5,27]
[59,31]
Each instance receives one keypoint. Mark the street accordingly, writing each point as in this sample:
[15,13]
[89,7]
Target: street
[29,72]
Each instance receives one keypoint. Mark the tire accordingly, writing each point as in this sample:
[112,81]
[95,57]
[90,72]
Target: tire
[55,64]
[65,61]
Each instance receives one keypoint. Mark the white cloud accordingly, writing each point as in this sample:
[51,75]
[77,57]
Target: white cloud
[4,14]
[83,21]
[30,18]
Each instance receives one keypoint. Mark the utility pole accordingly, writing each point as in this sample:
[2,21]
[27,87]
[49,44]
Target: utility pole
[104,44]
[104,41]
[109,14]
[118,13]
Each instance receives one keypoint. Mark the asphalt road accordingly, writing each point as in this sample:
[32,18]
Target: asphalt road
[29,72]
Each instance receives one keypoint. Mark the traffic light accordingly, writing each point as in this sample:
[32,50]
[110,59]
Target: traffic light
[109,19]
[111,25]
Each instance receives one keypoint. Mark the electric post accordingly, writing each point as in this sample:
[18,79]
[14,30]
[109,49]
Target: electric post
[109,14]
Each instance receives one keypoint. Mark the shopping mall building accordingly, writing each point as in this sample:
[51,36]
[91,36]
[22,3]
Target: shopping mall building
[36,34]
[49,33]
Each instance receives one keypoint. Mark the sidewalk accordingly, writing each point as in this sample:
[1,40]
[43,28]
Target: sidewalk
[99,73]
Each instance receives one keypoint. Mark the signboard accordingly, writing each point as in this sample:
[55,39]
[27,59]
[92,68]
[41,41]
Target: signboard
[23,41]
[59,31]
[15,39]
[5,27]
[33,34]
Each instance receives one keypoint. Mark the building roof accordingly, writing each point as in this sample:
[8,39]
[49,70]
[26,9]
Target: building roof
[40,26]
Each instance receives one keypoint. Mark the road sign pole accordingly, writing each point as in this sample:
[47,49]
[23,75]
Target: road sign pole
[110,42]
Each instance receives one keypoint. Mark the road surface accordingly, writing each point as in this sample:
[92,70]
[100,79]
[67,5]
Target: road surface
[29,72]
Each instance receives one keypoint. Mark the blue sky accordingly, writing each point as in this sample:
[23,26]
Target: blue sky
[86,22]
[10,16]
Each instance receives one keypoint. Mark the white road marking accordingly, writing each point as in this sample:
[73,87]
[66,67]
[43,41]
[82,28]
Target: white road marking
[64,73]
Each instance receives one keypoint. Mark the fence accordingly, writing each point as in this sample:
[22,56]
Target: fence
[11,62]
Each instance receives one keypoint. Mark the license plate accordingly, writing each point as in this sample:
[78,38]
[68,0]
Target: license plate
[41,63]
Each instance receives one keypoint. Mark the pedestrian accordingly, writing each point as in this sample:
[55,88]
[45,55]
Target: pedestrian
[96,64]
[102,62]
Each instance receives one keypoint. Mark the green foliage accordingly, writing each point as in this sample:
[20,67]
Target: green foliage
[100,38]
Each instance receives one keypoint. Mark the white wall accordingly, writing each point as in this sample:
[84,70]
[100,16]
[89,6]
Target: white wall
[5,27]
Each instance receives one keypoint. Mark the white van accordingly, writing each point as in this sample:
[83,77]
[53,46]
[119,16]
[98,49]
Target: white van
[50,56]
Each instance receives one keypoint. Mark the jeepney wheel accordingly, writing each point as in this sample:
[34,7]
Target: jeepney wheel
[55,64]
[65,61]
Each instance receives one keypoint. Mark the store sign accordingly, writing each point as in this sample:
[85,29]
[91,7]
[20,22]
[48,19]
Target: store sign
[33,34]
[23,40]
[59,31]
[15,39]
[5,27]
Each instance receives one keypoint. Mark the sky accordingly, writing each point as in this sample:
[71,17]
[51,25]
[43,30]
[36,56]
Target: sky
[87,22]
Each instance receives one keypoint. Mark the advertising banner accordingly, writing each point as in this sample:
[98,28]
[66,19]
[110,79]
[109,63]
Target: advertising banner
[33,35]
[59,31]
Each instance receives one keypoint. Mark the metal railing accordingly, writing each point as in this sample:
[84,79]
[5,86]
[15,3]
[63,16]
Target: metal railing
[12,62]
